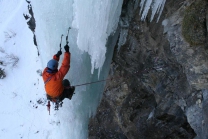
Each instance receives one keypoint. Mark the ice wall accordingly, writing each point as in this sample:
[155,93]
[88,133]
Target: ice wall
[52,19]
[95,21]
[92,22]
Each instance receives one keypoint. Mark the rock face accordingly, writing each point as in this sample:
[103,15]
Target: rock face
[31,23]
[159,86]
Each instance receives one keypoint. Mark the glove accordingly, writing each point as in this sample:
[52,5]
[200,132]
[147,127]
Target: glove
[58,53]
[66,47]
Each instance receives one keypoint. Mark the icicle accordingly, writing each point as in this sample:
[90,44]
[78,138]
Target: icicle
[142,6]
[161,9]
[146,9]
[155,5]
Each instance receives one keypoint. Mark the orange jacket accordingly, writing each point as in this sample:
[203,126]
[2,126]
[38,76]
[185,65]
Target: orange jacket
[54,86]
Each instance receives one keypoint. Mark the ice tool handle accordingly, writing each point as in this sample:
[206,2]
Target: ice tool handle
[67,36]
[61,41]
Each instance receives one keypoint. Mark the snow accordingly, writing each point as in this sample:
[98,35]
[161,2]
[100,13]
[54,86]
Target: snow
[92,22]
[156,7]
[22,85]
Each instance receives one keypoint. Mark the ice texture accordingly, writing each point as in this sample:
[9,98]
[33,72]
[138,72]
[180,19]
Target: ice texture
[146,8]
[91,22]
[95,21]
[156,7]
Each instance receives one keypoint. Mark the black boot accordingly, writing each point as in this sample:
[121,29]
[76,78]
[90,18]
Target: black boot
[71,92]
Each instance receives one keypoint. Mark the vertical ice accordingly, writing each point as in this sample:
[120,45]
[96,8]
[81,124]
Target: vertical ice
[95,21]
[146,8]
[92,22]
[155,5]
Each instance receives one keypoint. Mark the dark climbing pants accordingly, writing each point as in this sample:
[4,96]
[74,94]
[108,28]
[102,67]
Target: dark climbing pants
[68,90]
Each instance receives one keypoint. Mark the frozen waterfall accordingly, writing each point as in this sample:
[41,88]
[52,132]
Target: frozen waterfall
[91,39]
[92,23]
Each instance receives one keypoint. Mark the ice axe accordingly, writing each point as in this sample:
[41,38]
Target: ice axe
[61,41]
[67,36]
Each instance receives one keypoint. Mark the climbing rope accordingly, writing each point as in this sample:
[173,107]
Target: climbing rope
[93,82]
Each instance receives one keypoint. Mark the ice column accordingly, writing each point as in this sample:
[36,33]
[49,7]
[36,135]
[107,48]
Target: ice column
[155,5]
[97,19]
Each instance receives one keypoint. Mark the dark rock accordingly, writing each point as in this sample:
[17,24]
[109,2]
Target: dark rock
[159,87]
[194,23]
[31,23]
[31,19]
[2,73]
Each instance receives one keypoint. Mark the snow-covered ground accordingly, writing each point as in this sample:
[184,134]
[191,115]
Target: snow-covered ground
[20,114]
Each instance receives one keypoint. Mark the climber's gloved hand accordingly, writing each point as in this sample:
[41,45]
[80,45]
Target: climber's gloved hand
[58,53]
[66,47]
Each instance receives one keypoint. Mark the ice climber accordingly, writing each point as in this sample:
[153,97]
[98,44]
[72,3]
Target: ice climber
[56,88]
